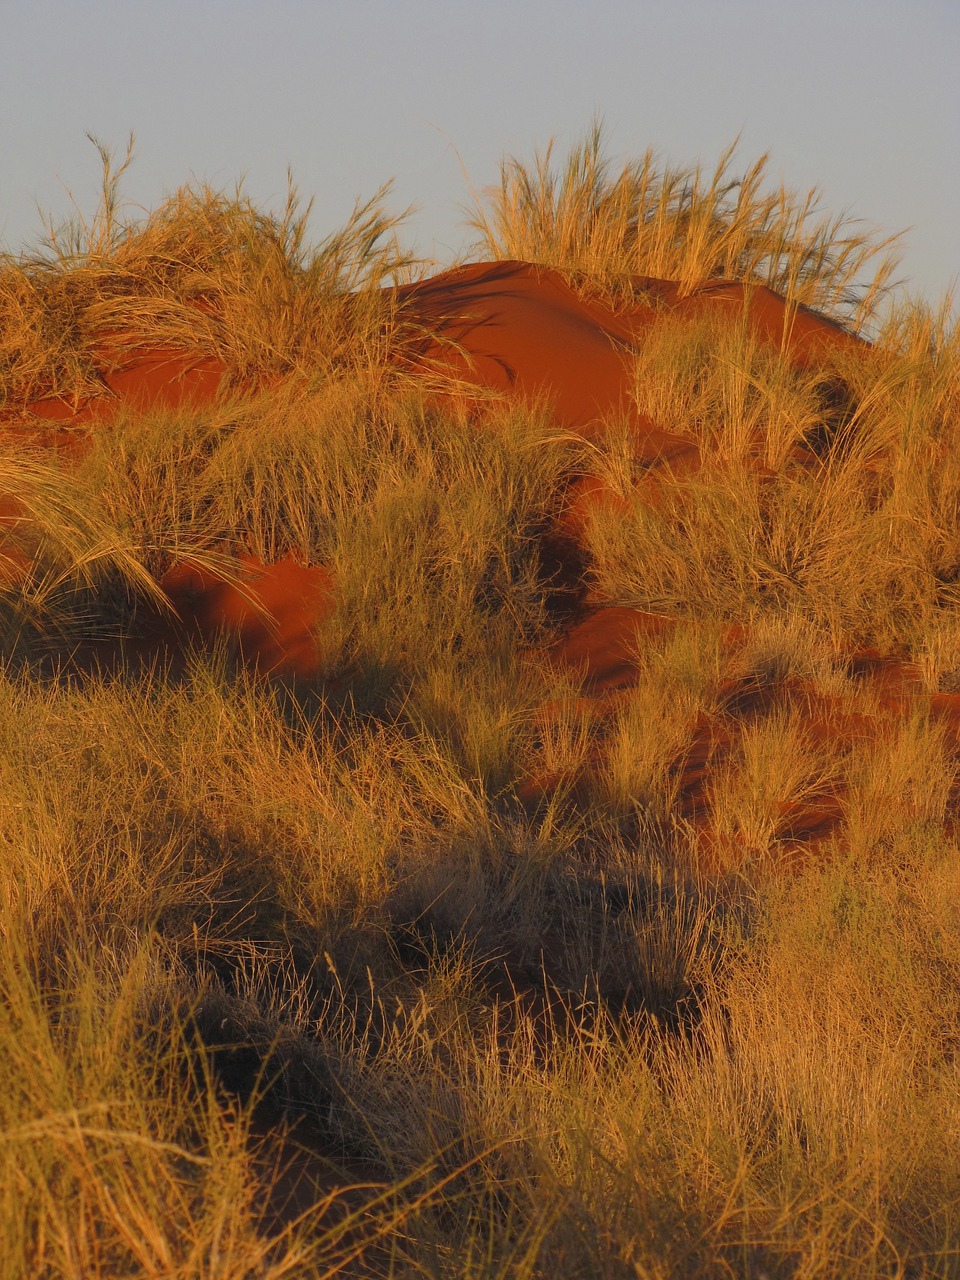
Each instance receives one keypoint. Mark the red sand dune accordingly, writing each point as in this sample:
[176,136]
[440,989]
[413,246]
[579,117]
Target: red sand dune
[507,327]
[521,330]
[515,328]
[512,329]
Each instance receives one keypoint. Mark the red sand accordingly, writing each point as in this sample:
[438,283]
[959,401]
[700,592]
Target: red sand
[161,378]
[521,329]
[270,615]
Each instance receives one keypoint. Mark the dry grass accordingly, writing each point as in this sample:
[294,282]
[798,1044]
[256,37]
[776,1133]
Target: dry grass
[57,555]
[560,1042]
[801,1120]
[207,273]
[776,770]
[604,228]
[844,516]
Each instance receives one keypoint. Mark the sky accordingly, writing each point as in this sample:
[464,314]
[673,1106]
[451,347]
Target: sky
[860,98]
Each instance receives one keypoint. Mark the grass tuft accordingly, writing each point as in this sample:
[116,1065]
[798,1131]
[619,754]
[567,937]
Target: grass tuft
[608,228]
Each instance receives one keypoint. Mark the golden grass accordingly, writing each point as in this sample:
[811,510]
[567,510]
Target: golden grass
[605,227]
[207,273]
[828,494]
[775,770]
[560,1043]
[804,1112]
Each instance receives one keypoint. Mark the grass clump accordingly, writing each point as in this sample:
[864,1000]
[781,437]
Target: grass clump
[429,523]
[607,229]
[826,494]
[207,274]
[58,556]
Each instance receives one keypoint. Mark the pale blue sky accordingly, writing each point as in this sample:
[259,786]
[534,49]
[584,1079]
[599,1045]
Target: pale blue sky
[859,97]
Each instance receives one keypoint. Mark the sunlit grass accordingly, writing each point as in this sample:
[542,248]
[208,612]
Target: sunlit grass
[208,274]
[607,227]
[544,982]
[845,516]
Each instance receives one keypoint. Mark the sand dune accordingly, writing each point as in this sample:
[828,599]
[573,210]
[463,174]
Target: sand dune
[514,330]
[510,328]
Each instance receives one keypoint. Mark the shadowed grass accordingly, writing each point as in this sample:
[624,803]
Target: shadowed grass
[804,1112]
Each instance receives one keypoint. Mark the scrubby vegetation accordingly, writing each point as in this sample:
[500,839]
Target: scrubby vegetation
[436,964]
